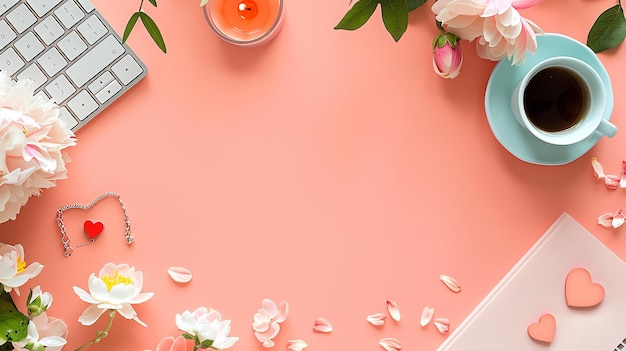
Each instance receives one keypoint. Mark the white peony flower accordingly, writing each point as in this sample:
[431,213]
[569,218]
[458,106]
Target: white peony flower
[13,269]
[206,326]
[32,138]
[499,29]
[117,287]
[44,333]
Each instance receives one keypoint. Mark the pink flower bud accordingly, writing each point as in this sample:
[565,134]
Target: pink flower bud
[447,56]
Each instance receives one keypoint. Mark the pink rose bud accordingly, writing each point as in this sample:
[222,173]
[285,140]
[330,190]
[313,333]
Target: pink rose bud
[447,56]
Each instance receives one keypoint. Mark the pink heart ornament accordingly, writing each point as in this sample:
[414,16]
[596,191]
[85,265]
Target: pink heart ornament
[580,291]
[544,329]
[93,229]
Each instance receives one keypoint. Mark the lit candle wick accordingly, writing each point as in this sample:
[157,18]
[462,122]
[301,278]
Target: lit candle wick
[247,9]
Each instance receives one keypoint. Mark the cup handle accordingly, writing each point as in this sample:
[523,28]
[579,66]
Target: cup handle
[607,128]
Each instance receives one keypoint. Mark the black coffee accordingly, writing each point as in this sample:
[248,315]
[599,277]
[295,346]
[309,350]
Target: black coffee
[555,99]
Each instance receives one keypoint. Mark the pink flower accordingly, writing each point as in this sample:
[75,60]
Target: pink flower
[168,343]
[447,56]
[44,332]
[499,29]
[267,321]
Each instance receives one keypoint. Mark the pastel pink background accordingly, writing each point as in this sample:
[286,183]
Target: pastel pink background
[330,169]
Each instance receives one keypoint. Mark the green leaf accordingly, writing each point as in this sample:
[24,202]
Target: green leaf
[130,25]
[608,31]
[413,4]
[153,2]
[395,17]
[358,15]
[13,324]
[188,336]
[153,30]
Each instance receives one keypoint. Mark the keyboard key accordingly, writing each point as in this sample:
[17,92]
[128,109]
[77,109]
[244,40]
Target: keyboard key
[95,60]
[35,74]
[7,34]
[72,45]
[60,89]
[42,7]
[101,82]
[52,62]
[82,105]
[5,5]
[49,30]
[87,5]
[92,29]
[10,62]
[66,116]
[127,69]
[105,94]
[69,14]
[29,46]
[21,18]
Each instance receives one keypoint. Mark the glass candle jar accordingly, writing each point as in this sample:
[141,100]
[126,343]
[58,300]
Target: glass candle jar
[245,22]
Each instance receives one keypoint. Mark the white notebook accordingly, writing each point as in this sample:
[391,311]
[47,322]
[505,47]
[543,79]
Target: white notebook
[536,286]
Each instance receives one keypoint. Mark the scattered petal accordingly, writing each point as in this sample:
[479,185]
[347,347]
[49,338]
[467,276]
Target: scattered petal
[427,315]
[377,318]
[612,181]
[180,274]
[393,309]
[321,325]
[296,345]
[612,220]
[598,170]
[390,344]
[450,282]
[442,324]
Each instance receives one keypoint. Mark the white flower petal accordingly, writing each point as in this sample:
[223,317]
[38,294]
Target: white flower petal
[427,315]
[377,318]
[180,274]
[450,282]
[393,309]
[390,344]
[442,324]
[296,345]
[321,325]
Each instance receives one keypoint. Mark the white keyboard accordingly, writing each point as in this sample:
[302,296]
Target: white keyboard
[71,53]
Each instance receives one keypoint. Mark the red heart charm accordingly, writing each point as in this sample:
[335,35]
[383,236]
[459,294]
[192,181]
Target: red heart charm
[580,291]
[93,229]
[544,329]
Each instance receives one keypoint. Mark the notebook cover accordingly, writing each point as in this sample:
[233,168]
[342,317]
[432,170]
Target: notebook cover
[536,286]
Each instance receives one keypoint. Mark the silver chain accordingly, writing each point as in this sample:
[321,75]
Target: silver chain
[65,239]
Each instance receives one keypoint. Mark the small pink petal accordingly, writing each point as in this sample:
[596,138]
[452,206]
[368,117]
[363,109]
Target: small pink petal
[390,344]
[450,282]
[442,324]
[180,274]
[598,170]
[296,345]
[393,309]
[612,220]
[321,325]
[377,318]
[606,220]
[612,181]
[427,315]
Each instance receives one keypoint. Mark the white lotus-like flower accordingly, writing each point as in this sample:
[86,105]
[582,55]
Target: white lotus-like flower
[206,324]
[499,29]
[13,269]
[32,139]
[44,332]
[116,287]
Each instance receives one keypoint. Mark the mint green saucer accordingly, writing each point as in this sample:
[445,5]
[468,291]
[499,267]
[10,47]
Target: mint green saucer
[515,138]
